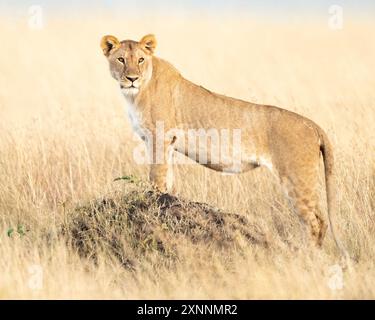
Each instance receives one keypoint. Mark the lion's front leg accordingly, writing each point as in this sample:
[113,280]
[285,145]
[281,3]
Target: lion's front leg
[161,174]
[158,176]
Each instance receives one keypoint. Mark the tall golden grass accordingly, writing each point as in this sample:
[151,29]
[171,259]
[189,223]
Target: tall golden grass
[65,138]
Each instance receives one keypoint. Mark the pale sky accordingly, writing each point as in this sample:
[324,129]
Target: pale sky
[263,6]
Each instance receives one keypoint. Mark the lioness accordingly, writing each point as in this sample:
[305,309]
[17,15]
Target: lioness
[286,143]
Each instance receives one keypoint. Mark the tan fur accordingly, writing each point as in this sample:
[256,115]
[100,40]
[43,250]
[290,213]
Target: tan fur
[284,142]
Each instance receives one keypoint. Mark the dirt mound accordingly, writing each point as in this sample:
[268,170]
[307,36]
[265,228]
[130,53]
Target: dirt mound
[143,221]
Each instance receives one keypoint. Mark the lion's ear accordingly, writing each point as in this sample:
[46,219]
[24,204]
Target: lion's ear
[149,43]
[108,43]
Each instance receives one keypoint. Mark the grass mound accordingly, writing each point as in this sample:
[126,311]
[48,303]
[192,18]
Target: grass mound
[143,221]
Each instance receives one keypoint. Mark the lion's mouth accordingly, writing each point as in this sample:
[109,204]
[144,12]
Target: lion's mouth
[128,87]
[129,90]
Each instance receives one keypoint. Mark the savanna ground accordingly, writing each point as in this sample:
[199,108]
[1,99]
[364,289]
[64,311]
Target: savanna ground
[65,138]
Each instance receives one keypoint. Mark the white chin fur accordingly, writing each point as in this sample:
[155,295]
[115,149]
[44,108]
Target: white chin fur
[129,91]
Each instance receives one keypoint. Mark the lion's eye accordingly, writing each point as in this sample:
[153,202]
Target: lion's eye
[141,60]
[121,59]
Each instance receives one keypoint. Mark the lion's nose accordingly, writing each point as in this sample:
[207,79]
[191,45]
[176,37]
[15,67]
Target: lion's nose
[132,79]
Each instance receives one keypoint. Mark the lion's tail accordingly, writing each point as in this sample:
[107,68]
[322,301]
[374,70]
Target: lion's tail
[331,188]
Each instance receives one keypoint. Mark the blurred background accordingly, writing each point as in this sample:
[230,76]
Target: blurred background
[65,137]
[287,7]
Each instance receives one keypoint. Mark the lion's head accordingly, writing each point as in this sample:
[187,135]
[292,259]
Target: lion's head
[130,62]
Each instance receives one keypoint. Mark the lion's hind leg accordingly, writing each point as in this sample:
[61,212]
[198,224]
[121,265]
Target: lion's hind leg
[301,187]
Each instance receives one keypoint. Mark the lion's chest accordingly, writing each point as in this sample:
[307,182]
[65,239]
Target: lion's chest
[136,121]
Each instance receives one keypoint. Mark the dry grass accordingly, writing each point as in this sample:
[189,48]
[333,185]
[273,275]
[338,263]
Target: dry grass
[65,138]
